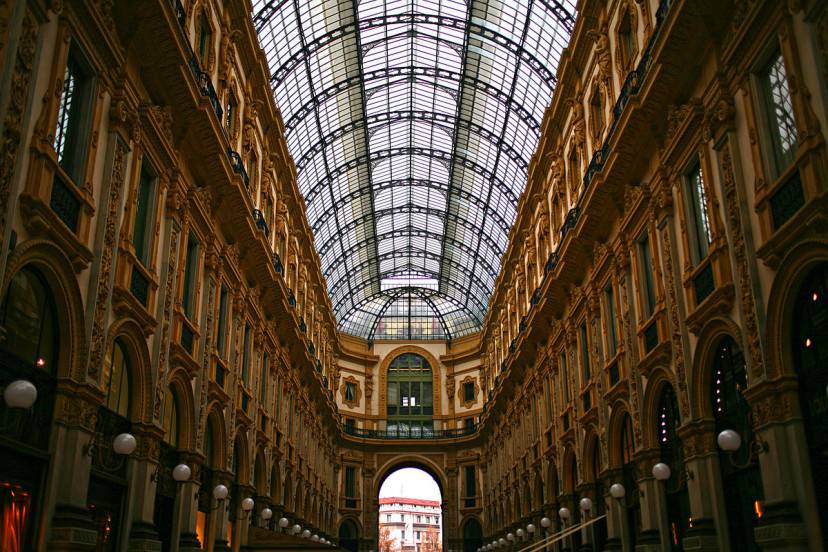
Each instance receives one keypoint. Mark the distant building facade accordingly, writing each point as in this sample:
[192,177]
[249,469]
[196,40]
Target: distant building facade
[413,524]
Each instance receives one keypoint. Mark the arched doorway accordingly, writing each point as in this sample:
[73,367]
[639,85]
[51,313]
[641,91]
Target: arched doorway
[670,453]
[743,488]
[809,348]
[349,536]
[472,535]
[410,515]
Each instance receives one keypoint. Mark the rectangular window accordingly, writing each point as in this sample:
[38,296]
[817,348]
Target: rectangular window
[471,482]
[468,392]
[205,40]
[72,123]
[584,354]
[700,235]
[221,333]
[468,423]
[246,355]
[190,276]
[350,391]
[611,322]
[779,113]
[350,482]
[263,383]
[144,219]
[564,380]
[645,262]
[230,121]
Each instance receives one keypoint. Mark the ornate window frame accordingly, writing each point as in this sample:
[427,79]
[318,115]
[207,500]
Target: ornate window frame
[357,393]
[461,395]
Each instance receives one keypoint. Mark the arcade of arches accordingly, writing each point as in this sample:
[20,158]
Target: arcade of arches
[257,255]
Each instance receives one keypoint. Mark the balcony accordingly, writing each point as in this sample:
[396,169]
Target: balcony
[402,433]
[238,167]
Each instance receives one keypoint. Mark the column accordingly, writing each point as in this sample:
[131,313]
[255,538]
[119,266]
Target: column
[187,507]
[653,506]
[72,528]
[704,486]
[142,533]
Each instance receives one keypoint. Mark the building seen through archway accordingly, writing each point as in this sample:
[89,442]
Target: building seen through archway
[566,258]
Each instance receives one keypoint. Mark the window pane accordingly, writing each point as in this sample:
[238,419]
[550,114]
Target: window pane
[143,216]
[700,222]
[781,117]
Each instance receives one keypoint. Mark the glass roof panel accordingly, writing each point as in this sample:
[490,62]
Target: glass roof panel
[412,123]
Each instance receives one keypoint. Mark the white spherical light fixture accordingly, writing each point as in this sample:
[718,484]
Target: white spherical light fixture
[585,504]
[267,513]
[563,513]
[531,528]
[617,490]
[296,529]
[546,522]
[20,394]
[247,504]
[219,492]
[520,533]
[182,472]
[729,440]
[510,536]
[124,443]
[306,534]
[283,522]
[315,537]
[501,541]
[661,471]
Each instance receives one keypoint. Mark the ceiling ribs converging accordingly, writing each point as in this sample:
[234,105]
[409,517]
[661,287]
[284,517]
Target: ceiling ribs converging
[412,123]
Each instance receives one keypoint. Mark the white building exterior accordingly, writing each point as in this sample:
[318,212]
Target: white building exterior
[408,520]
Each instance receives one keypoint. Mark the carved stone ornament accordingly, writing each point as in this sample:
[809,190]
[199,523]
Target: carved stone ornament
[355,402]
[461,392]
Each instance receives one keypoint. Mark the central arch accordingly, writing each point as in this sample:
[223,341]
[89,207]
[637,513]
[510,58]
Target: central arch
[426,465]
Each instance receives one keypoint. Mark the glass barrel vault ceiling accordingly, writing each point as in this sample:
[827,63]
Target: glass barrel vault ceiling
[412,123]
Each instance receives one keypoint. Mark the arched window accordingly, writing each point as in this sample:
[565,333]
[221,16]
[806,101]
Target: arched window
[743,492]
[809,346]
[116,379]
[410,404]
[208,444]
[169,419]
[678,501]
[30,321]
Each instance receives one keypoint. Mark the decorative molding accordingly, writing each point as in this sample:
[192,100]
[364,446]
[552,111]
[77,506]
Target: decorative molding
[461,395]
[357,392]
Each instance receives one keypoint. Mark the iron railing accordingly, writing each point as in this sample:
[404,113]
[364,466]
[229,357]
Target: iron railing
[410,433]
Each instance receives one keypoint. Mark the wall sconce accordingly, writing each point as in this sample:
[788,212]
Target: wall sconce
[306,534]
[730,441]
[617,491]
[181,473]
[564,514]
[283,523]
[266,514]
[520,533]
[585,505]
[296,529]
[246,506]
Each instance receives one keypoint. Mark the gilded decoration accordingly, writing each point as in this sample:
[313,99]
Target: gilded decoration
[461,394]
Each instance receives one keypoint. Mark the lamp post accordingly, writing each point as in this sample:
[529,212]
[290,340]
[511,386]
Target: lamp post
[545,523]
[564,514]
[180,474]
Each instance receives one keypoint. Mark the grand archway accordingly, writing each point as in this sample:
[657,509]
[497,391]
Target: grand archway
[410,507]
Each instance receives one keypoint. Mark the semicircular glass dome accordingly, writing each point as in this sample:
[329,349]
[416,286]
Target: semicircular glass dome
[412,123]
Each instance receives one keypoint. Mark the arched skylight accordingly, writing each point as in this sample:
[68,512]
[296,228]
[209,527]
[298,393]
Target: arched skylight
[412,123]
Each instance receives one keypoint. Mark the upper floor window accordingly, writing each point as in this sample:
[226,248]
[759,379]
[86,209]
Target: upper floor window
[626,39]
[646,281]
[699,227]
[205,39]
[73,120]
[471,481]
[252,168]
[142,229]
[30,321]
[350,391]
[779,113]
[263,383]
[116,379]
[574,170]
[246,355]
[468,423]
[230,113]
[190,276]
[610,321]
[564,379]
[221,334]
[350,481]
[468,391]
[585,353]
[596,115]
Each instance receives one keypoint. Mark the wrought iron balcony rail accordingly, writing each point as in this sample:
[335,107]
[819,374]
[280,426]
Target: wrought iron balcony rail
[261,223]
[409,433]
[238,167]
